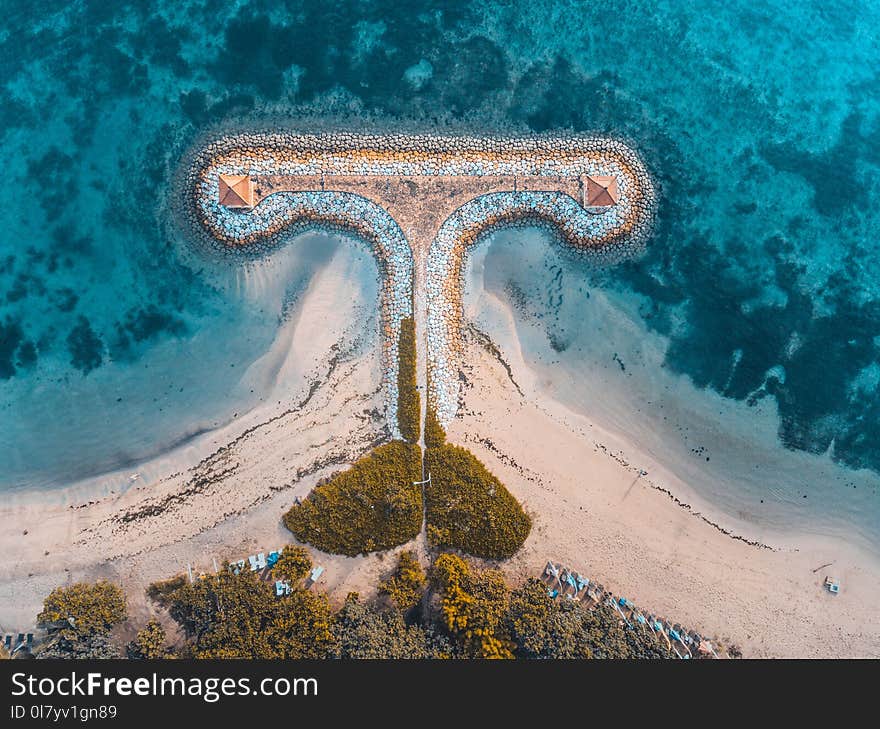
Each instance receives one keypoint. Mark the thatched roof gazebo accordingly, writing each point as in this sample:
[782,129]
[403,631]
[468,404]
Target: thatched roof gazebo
[236,191]
[601,191]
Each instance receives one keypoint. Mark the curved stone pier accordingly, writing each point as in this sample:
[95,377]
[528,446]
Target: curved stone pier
[420,201]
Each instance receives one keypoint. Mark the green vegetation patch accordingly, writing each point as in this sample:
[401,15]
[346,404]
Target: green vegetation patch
[541,627]
[161,590]
[469,509]
[435,436]
[370,507]
[238,616]
[149,643]
[472,605]
[458,610]
[407,585]
[408,403]
[293,565]
[83,609]
[78,620]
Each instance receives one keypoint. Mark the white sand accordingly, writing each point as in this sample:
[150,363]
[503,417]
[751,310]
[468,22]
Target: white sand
[221,493]
[593,512]
[222,496]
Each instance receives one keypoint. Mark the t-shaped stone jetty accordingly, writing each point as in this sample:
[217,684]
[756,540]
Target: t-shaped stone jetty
[420,201]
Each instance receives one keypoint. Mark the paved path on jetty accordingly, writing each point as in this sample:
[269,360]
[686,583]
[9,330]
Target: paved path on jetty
[419,203]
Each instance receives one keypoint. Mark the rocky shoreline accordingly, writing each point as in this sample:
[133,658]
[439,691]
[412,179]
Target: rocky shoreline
[455,190]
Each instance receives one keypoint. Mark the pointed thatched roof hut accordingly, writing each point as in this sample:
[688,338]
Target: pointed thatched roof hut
[236,191]
[601,192]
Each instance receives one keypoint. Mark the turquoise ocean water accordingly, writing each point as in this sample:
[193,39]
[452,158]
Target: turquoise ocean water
[761,123]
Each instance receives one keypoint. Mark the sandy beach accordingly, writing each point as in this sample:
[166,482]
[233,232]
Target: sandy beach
[581,483]
[209,498]
[631,475]
[592,510]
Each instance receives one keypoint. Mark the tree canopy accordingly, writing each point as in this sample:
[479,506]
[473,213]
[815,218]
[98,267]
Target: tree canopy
[457,611]
[238,616]
[407,584]
[83,609]
[293,565]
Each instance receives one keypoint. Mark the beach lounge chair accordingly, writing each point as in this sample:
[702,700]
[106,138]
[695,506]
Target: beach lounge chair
[705,649]
[616,604]
[252,559]
[272,559]
[677,634]
[261,561]
[550,575]
[833,585]
[659,630]
[313,576]
[569,585]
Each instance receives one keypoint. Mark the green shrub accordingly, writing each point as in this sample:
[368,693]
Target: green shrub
[293,565]
[472,604]
[362,631]
[163,591]
[83,609]
[149,643]
[408,403]
[470,509]
[545,628]
[435,436]
[406,585]
[370,507]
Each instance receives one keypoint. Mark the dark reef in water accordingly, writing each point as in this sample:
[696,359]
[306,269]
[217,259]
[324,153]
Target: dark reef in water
[85,347]
[11,338]
[127,91]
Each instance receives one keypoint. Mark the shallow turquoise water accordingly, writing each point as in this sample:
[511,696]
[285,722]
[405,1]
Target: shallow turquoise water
[761,123]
